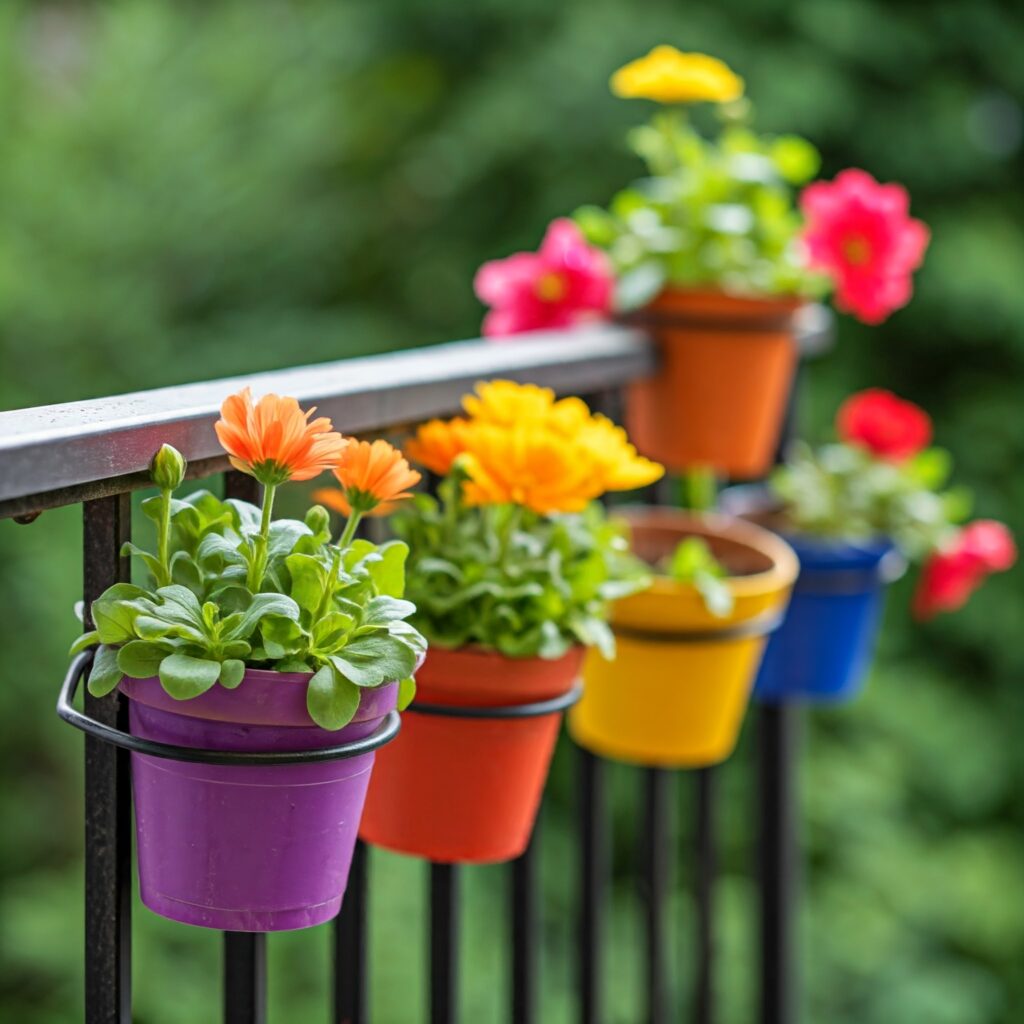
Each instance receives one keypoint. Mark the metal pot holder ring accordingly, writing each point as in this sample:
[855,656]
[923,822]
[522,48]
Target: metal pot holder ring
[385,732]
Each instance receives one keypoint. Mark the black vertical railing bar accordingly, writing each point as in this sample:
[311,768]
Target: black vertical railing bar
[108,820]
[245,978]
[350,950]
[594,871]
[656,842]
[241,486]
[705,859]
[524,891]
[778,725]
[444,943]
[777,849]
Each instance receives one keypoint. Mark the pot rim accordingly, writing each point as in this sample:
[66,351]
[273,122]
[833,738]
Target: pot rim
[781,574]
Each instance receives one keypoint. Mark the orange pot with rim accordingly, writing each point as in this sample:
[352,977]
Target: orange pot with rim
[678,689]
[719,396]
[460,786]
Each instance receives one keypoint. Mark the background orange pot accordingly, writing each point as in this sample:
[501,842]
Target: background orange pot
[467,790]
[719,397]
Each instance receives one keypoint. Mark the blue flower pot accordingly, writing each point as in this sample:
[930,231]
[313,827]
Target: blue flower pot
[824,647]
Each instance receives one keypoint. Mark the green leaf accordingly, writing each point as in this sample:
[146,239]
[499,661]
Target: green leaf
[184,677]
[180,605]
[140,659]
[638,286]
[217,551]
[151,562]
[331,631]
[406,692]
[796,159]
[386,609]
[185,572]
[115,610]
[388,574]
[309,580]
[292,665]
[85,641]
[332,700]
[105,675]
[284,535]
[360,673]
[231,673]
[386,655]
[715,592]
[247,516]
[279,605]
[931,468]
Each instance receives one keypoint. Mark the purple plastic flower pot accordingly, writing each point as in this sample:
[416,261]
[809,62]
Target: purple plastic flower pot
[256,848]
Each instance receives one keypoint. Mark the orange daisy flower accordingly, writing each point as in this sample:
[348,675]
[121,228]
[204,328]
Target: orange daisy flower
[274,440]
[373,476]
[438,444]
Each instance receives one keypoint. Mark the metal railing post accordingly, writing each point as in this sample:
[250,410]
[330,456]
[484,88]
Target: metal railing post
[108,815]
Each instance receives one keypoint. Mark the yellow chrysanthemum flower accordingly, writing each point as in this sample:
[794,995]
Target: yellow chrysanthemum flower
[620,466]
[527,465]
[520,445]
[670,76]
[504,402]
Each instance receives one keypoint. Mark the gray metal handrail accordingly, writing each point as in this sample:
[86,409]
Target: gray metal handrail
[55,455]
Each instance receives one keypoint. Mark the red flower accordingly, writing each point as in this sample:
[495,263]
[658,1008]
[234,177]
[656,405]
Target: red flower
[955,571]
[886,425]
[565,281]
[861,234]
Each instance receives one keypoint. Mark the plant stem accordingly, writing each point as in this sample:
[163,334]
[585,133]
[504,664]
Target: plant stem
[163,540]
[350,529]
[259,563]
[699,489]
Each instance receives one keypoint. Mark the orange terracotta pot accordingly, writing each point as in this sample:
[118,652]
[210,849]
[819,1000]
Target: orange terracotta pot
[719,396]
[461,789]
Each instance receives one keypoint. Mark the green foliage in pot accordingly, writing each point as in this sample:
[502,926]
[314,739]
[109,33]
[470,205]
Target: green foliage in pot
[231,589]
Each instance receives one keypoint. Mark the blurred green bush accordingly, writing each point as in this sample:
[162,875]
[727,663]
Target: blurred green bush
[192,190]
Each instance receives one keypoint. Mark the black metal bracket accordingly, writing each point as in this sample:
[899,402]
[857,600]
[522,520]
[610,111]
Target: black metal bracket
[541,707]
[384,733]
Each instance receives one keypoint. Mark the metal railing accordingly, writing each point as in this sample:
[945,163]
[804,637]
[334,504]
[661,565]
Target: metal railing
[97,452]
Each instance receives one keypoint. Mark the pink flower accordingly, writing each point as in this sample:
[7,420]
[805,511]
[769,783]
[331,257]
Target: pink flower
[861,234]
[564,282]
[955,571]
[889,427]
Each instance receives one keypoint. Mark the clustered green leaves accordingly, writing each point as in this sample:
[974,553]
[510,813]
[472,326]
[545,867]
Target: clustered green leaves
[694,562]
[334,611]
[510,580]
[844,492]
[711,212]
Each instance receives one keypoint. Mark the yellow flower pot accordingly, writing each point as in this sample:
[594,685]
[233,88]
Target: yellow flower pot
[676,693]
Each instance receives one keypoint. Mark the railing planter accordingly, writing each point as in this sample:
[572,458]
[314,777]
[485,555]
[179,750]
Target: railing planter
[256,848]
[463,782]
[727,367]
[825,645]
[679,687]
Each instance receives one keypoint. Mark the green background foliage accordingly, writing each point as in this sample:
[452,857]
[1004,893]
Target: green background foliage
[198,189]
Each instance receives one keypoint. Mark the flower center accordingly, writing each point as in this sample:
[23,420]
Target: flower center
[550,287]
[856,250]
